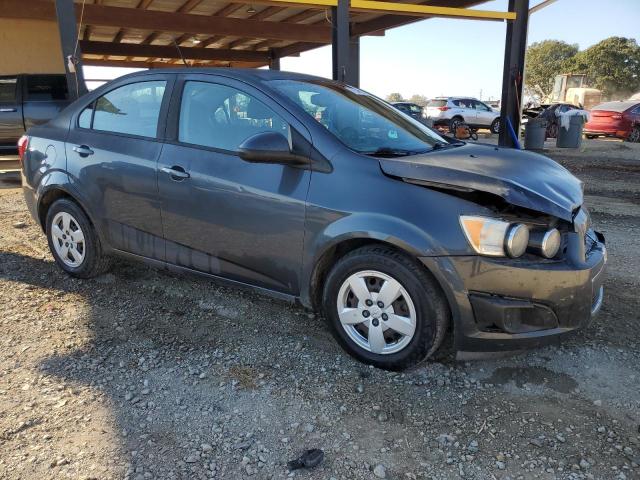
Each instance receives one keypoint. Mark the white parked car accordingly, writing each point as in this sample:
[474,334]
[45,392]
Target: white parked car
[454,110]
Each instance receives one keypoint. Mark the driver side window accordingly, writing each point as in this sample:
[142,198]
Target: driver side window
[222,117]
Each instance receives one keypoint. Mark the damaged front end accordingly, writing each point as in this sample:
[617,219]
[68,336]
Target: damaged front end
[520,294]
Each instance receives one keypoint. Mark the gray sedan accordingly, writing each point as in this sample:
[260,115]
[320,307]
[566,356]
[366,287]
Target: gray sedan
[319,193]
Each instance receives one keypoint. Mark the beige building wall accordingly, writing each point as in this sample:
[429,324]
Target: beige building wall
[29,46]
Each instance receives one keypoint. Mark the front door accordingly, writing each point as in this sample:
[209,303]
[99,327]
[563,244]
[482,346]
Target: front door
[222,215]
[484,114]
[112,153]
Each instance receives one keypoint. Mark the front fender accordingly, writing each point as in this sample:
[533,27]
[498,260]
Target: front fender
[363,226]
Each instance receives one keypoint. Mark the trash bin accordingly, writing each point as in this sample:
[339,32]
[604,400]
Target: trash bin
[570,137]
[535,133]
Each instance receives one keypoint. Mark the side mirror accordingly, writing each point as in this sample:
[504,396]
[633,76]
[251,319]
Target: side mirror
[270,147]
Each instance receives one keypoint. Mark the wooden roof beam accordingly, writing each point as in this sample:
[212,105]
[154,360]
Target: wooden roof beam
[169,51]
[172,22]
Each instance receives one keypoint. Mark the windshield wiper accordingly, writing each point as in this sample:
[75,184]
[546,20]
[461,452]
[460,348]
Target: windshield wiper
[393,152]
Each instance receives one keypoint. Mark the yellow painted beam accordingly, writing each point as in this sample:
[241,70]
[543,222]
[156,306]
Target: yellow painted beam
[375,6]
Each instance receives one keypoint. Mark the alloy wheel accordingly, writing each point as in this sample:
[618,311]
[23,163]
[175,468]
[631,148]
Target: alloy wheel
[376,312]
[68,239]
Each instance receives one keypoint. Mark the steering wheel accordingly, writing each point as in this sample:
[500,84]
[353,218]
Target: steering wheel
[349,135]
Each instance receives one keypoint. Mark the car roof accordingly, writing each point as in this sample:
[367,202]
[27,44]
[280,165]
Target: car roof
[247,74]
[461,97]
[616,106]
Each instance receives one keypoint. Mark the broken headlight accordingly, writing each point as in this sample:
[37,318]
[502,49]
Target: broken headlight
[495,238]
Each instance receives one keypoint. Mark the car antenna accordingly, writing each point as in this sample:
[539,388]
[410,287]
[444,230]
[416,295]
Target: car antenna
[179,51]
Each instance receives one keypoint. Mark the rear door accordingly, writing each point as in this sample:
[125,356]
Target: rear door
[465,109]
[112,153]
[11,126]
[222,215]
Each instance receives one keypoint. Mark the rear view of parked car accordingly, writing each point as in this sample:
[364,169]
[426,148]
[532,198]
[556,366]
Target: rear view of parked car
[615,119]
[27,100]
[410,109]
[452,111]
[322,194]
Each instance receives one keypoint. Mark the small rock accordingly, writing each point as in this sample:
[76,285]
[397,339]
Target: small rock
[379,471]
[19,225]
[584,464]
[500,465]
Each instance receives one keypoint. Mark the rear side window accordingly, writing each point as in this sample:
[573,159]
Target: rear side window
[133,109]
[8,89]
[223,117]
[84,120]
[43,88]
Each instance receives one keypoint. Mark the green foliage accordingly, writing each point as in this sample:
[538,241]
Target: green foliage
[394,97]
[545,60]
[419,100]
[612,65]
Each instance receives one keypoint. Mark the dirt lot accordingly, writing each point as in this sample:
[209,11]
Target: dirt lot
[141,374]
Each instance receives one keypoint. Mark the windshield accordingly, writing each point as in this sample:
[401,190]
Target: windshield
[362,122]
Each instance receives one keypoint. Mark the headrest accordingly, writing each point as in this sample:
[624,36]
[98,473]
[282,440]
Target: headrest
[258,110]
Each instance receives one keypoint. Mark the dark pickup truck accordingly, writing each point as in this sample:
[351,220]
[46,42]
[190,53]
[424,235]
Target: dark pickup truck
[26,100]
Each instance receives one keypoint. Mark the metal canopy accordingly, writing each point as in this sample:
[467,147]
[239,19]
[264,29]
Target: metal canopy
[246,33]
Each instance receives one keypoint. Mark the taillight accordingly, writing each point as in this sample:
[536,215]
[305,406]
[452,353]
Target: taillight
[443,109]
[23,144]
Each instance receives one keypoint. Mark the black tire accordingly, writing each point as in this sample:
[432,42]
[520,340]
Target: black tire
[94,262]
[634,136]
[495,126]
[431,307]
[591,137]
[454,123]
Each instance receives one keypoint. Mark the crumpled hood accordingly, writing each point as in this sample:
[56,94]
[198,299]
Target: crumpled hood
[522,178]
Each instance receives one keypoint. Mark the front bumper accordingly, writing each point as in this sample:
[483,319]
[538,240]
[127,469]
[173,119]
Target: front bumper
[505,304]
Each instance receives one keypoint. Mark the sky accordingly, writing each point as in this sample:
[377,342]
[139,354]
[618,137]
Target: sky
[460,57]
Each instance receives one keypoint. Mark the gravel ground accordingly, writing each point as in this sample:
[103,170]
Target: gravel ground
[142,374]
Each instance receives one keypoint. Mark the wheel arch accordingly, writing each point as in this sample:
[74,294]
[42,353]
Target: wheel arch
[49,196]
[339,249]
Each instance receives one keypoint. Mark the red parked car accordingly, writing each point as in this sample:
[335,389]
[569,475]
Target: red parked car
[615,119]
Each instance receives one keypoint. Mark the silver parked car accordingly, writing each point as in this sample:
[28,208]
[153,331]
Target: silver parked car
[454,110]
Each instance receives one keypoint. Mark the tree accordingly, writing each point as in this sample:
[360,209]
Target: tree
[394,97]
[612,65]
[419,100]
[545,60]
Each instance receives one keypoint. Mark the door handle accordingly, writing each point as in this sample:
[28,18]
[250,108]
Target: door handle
[176,172]
[7,110]
[83,150]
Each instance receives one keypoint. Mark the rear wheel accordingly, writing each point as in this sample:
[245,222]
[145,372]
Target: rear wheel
[495,126]
[454,123]
[634,136]
[73,241]
[384,308]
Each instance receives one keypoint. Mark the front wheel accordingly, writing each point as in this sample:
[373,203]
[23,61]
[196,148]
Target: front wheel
[495,126]
[384,308]
[634,136]
[73,241]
